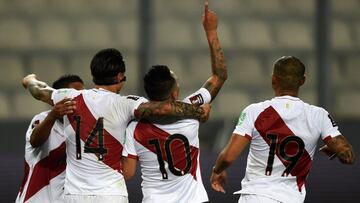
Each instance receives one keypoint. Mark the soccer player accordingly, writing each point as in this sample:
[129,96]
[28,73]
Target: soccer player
[96,130]
[45,157]
[283,133]
[169,154]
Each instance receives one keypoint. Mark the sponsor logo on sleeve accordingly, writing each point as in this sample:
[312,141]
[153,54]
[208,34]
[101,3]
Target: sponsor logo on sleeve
[242,118]
[197,99]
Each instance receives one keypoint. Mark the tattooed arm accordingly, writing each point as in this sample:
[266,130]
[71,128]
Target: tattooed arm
[171,111]
[218,66]
[339,147]
[38,89]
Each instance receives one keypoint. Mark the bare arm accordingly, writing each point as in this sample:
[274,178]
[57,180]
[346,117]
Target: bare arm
[338,146]
[38,89]
[41,132]
[171,111]
[232,150]
[129,167]
[218,66]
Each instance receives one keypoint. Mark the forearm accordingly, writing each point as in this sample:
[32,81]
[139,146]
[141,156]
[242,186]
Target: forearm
[38,89]
[218,66]
[342,148]
[42,132]
[168,112]
[232,150]
[129,167]
[221,164]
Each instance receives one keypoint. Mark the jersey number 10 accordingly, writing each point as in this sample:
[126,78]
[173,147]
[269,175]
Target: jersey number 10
[169,157]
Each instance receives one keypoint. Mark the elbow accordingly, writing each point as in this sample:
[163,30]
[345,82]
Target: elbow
[222,74]
[34,143]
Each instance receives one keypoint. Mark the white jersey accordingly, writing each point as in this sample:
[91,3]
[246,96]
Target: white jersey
[169,157]
[94,134]
[44,169]
[284,133]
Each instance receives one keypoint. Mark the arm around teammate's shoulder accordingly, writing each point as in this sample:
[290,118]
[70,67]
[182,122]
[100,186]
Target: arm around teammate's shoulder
[170,111]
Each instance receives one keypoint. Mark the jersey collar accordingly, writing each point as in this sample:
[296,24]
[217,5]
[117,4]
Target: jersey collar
[288,97]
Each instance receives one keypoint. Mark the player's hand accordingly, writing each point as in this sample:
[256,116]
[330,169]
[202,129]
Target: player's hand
[205,116]
[62,108]
[209,19]
[218,181]
[326,150]
[32,77]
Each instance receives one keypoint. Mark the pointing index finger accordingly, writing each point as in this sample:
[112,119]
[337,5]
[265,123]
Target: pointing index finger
[206,6]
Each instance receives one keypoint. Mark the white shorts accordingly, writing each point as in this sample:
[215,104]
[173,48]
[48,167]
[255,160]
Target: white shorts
[95,199]
[250,198]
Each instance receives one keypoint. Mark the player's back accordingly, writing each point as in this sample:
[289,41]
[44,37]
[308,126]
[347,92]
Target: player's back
[44,173]
[94,136]
[284,132]
[169,159]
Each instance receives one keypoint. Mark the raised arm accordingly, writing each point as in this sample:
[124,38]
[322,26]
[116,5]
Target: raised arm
[226,157]
[42,131]
[38,89]
[339,147]
[171,111]
[218,66]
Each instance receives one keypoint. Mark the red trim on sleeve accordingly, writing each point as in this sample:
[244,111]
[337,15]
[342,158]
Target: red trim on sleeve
[248,137]
[132,156]
[327,138]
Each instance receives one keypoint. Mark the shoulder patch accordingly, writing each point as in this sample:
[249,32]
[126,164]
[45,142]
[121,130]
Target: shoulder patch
[241,118]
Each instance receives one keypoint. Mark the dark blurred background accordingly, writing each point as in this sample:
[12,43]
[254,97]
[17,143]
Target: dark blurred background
[52,37]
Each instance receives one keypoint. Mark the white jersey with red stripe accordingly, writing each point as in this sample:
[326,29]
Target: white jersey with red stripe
[94,134]
[169,157]
[44,170]
[284,132]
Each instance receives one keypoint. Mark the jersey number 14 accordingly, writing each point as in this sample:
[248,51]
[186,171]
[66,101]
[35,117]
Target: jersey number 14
[97,132]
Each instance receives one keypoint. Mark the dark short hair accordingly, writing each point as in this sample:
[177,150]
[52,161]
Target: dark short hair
[65,80]
[106,65]
[290,71]
[159,82]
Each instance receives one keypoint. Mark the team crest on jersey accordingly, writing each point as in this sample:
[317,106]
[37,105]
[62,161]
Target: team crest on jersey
[197,99]
[241,118]
[334,124]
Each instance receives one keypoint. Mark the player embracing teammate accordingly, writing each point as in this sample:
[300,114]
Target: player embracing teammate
[169,154]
